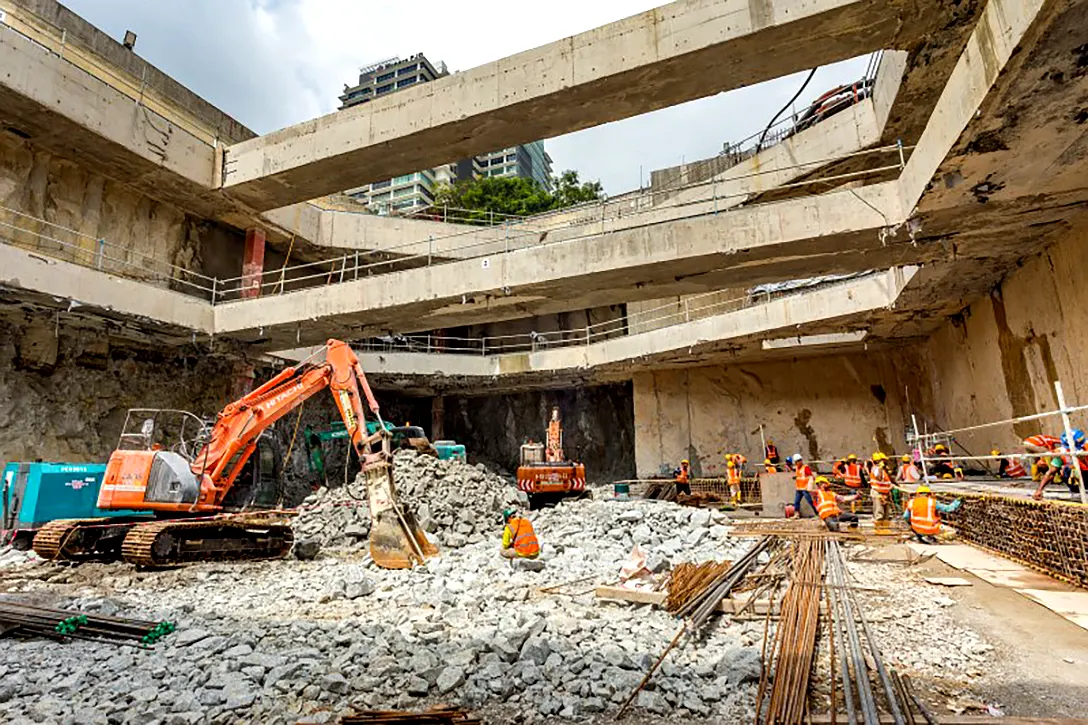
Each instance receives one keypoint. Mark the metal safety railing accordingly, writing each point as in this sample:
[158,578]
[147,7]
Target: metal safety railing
[682,311]
[54,240]
[527,233]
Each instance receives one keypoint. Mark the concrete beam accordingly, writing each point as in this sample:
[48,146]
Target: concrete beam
[72,286]
[637,351]
[643,63]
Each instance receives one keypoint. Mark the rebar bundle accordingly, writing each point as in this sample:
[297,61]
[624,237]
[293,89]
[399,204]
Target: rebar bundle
[21,619]
[1050,536]
[795,636]
[699,608]
[689,580]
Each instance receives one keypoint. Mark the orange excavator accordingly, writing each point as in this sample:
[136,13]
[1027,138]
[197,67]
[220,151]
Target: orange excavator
[544,474]
[183,490]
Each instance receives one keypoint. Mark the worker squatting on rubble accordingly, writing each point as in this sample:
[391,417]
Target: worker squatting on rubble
[803,482]
[518,538]
[683,477]
[827,506]
[923,512]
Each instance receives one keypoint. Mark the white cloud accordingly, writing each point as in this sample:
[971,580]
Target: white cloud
[272,63]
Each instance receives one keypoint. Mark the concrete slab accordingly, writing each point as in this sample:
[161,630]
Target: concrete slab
[1073,605]
[646,62]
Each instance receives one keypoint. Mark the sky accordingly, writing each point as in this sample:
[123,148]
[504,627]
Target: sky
[273,63]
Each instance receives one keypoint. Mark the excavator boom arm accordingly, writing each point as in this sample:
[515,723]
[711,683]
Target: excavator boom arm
[241,422]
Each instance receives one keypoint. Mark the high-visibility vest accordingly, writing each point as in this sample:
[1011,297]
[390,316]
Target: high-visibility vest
[770,453]
[851,475]
[803,478]
[923,516]
[525,543]
[732,475]
[880,481]
[826,506]
[1014,469]
[682,476]
[908,473]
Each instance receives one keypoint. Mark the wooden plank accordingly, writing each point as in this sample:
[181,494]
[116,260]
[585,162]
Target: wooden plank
[657,599]
[948,581]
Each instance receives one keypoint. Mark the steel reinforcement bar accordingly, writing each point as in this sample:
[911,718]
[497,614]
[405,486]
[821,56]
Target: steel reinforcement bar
[1050,536]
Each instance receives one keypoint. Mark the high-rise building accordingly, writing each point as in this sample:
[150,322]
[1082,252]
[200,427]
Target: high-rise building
[417,190]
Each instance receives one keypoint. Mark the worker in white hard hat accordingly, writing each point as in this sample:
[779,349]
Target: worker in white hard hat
[923,513]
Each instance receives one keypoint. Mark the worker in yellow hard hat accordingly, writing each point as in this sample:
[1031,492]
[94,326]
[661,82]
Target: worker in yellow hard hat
[827,506]
[880,486]
[683,477]
[769,467]
[908,472]
[732,476]
[923,513]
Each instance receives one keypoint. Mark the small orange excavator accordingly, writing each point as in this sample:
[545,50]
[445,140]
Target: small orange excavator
[185,486]
[545,474]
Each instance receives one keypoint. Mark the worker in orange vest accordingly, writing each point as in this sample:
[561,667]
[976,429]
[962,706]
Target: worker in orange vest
[827,506]
[803,483]
[880,485]
[732,475]
[518,538]
[769,467]
[908,472]
[683,477]
[923,512]
[770,452]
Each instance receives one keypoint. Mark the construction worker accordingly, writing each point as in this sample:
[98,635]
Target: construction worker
[770,452]
[880,485]
[1009,466]
[769,467]
[943,465]
[518,538]
[803,483]
[908,472]
[827,506]
[923,512]
[850,471]
[732,475]
[683,477]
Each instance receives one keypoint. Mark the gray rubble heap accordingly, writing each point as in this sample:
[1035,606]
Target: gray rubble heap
[457,503]
[283,640]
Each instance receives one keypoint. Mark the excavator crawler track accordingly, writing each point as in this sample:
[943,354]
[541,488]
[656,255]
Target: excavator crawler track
[81,539]
[166,543]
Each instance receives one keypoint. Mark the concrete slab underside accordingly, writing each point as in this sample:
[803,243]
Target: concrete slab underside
[650,61]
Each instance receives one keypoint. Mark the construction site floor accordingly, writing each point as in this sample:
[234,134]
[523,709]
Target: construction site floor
[305,641]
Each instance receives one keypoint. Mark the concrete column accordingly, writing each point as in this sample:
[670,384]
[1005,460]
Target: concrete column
[253,263]
[438,412]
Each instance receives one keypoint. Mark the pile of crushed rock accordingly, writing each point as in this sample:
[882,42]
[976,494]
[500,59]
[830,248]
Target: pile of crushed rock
[455,502]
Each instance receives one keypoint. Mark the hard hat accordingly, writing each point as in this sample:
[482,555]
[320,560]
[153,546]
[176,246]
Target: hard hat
[1078,438]
[852,457]
[878,456]
[507,514]
[940,447]
[797,457]
[906,458]
[995,452]
[731,463]
[822,481]
[685,461]
[923,489]
[766,461]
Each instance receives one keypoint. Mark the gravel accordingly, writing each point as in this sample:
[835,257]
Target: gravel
[291,640]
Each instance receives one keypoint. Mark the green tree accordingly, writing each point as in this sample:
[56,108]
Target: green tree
[497,198]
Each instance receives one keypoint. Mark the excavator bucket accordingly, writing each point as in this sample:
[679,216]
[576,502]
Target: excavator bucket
[396,540]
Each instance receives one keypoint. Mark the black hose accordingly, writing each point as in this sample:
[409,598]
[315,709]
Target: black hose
[759,146]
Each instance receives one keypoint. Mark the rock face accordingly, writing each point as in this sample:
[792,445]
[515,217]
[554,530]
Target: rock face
[454,502]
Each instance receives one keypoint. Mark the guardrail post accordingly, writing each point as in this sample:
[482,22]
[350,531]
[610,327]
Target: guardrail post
[356,266]
[483,346]
[100,253]
[1071,444]
[687,310]
[899,144]
[587,334]
[343,268]
[215,286]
